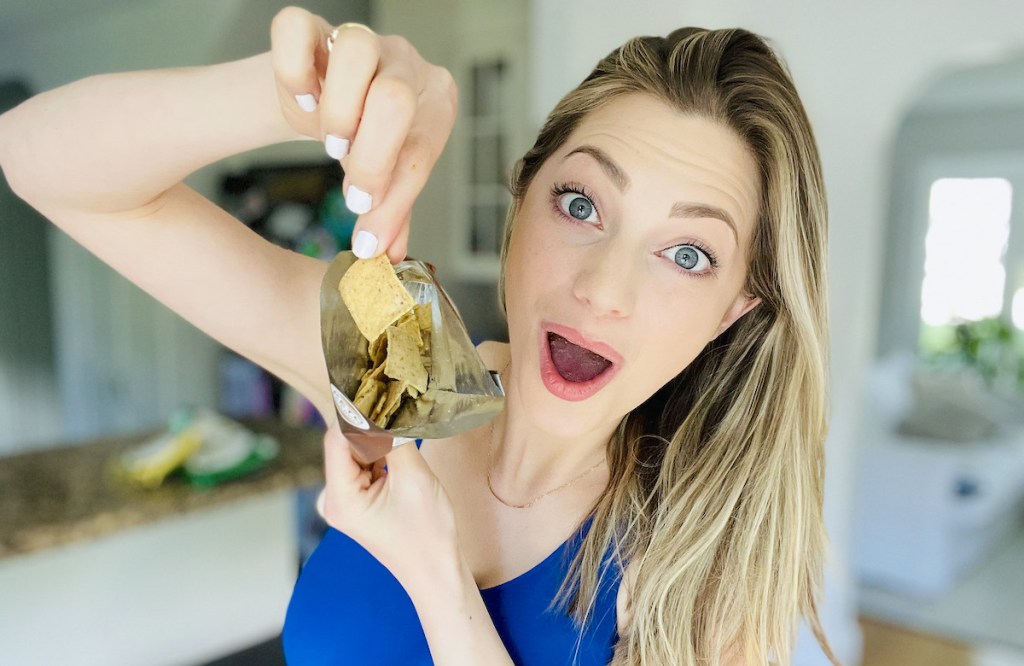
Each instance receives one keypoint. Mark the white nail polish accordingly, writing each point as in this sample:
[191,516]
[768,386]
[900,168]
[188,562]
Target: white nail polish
[358,202]
[365,245]
[336,146]
[306,102]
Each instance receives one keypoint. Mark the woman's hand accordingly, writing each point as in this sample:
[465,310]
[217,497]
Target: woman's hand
[402,516]
[378,106]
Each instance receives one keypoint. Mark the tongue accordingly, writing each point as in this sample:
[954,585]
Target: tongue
[574,363]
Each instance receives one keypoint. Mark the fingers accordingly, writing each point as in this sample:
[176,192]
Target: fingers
[370,114]
[388,111]
[405,459]
[406,118]
[353,64]
[378,470]
[297,40]
[399,246]
[377,106]
[388,222]
[343,473]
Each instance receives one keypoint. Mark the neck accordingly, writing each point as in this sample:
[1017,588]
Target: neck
[526,459]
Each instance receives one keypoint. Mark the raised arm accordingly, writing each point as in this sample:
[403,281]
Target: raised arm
[103,158]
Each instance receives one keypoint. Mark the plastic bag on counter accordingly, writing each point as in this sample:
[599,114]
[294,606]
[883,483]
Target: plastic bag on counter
[457,392]
[207,447]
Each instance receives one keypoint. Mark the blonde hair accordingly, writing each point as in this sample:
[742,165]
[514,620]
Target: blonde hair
[717,479]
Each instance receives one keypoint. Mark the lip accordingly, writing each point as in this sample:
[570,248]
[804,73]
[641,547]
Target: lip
[574,391]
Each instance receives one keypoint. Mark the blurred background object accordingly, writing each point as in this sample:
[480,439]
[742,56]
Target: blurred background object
[919,113]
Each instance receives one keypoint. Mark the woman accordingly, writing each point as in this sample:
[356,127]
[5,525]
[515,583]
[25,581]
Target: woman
[652,492]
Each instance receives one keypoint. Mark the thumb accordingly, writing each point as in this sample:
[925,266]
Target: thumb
[340,468]
[406,458]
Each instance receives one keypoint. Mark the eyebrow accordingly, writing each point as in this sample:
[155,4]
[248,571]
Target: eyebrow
[684,209]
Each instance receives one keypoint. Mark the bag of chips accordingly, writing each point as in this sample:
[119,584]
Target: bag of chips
[400,361]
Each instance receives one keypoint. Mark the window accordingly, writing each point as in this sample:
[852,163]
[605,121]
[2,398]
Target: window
[488,128]
[973,286]
[968,232]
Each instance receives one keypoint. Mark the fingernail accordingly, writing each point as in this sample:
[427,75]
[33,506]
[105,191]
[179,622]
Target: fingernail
[306,102]
[365,245]
[358,202]
[336,146]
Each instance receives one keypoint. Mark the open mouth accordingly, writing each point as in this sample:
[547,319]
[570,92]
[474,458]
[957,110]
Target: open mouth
[573,366]
[573,362]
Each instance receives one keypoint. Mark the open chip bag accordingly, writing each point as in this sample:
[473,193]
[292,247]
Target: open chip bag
[400,361]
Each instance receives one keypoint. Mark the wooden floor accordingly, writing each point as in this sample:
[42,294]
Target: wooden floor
[886,645]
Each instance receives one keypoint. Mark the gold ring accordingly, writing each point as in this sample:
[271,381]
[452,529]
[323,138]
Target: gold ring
[334,33]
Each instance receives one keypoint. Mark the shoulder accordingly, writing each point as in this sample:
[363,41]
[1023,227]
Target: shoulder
[494,354]
[623,600]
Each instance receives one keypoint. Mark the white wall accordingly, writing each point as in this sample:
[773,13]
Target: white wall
[858,66]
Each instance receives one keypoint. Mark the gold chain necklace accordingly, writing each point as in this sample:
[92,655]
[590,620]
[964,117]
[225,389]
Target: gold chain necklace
[490,459]
[542,495]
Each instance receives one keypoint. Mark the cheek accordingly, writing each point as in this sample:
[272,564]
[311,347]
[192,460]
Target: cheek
[672,332]
[536,259]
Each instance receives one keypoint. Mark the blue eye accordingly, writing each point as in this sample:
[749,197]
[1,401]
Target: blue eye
[690,258]
[578,206]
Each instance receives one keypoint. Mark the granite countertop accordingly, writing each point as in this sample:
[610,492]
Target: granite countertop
[62,495]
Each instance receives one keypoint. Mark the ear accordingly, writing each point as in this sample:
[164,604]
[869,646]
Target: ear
[743,304]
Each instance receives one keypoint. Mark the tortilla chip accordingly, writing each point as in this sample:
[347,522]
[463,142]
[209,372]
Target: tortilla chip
[425,403]
[391,404]
[377,349]
[424,316]
[377,408]
[409,324]
[368,394]
[374,295]
[403,359]
[376,372]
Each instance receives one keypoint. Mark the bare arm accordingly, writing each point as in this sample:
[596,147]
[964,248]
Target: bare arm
[114,142]
[455,620]
[103,159]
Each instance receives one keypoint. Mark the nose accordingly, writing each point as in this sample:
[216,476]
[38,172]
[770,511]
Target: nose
[605,281]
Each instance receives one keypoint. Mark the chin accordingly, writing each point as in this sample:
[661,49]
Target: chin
[560,418]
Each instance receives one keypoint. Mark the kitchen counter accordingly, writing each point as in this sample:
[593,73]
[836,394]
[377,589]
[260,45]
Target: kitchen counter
[63,495]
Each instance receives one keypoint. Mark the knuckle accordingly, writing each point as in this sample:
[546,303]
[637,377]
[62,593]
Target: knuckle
[402,47]
[362,41]
[399,44]
[446,82]
[395,94]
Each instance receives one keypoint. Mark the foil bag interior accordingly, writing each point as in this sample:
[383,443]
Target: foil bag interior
[462,393]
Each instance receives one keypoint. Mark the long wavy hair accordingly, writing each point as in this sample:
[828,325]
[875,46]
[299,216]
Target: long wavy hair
[717,479]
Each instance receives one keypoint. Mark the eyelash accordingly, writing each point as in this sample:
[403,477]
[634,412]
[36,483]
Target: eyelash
[558,189]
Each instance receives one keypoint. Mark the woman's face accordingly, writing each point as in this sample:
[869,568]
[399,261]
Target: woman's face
[630,242]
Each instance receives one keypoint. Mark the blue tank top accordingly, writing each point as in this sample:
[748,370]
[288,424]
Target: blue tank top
[347,608]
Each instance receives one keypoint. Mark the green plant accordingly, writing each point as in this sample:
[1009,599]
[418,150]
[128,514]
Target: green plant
[992,347]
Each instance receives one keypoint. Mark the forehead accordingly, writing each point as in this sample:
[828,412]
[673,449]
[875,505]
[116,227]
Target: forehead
[681,156]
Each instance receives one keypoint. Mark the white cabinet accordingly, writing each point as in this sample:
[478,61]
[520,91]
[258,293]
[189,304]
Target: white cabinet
[124,361]
[182,590]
